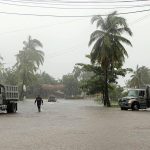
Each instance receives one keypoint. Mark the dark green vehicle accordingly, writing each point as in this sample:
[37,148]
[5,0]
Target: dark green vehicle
[136,99]
[52,98]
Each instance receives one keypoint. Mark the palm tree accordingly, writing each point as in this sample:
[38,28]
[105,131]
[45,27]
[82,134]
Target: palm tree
[140,77]
[37,56]
[108,50]
[136,78]
[28,61]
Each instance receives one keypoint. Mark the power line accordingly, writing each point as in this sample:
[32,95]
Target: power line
[65,16]
[123,1]
[65,52]
[49,4]
[48,26]
[133,6]
[38,27]
[75,2]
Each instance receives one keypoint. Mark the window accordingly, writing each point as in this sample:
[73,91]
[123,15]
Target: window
[142,93]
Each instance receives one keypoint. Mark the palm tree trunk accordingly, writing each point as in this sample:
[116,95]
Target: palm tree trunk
[22,91]
[106,98]
[104,102]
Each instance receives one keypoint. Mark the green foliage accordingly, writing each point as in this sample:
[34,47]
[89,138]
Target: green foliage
[45,78]
[94,84]
[35,88]
[115,92]
[7,75]
[71,86]
[10,76]
[1,64]
[1,68]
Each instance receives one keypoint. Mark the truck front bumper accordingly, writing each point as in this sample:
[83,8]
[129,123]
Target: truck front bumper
[125,105]
[3,107]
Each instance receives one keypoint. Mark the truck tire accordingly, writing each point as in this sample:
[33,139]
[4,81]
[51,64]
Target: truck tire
[135,106]
[12,108]
[9,108]
[122,108]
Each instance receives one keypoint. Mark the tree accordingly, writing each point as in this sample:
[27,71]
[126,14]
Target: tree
[94,84]
[36,87]
[71,86]
[116,92]
[92,78]
[10,76]
[28,61]
[108,50]
[76,72]
[1,69]
[140,77]
[45,78]
[1,64]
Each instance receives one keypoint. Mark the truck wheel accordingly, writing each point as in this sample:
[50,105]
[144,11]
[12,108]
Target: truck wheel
[135,106]
[14,108]
[9,108]
[122,108]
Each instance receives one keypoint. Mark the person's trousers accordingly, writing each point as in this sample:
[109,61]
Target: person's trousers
[39,107]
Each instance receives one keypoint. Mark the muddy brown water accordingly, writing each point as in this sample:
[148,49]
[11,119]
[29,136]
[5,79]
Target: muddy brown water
[74,125]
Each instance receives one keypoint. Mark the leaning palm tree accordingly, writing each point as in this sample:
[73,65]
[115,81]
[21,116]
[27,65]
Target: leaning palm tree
[37,56]
[108,49]
[28,61]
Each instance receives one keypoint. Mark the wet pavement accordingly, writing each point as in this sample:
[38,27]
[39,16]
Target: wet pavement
[74,125]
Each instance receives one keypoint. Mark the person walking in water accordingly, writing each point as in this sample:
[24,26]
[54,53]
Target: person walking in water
[39,101]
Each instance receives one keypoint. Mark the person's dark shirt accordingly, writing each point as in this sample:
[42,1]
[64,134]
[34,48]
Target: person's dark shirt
[39,100]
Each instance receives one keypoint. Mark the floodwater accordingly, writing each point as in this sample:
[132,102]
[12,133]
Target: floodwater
[74,125]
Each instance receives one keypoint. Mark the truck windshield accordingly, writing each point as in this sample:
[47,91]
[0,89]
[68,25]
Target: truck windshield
[133,93]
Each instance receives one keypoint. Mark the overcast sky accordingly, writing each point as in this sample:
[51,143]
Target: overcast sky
[65,39]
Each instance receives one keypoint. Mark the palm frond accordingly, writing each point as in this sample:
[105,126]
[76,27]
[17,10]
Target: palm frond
[95,18]
[95,36]
[124,40]
[37,43]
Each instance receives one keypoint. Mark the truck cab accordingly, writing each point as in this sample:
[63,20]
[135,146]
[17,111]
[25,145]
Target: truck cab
[135,100]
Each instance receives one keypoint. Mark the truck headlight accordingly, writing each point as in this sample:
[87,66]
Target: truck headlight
[130,101]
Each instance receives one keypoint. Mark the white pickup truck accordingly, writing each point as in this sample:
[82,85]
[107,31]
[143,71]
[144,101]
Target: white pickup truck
[136,99]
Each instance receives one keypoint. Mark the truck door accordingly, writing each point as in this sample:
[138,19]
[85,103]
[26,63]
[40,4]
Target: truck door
[142,99]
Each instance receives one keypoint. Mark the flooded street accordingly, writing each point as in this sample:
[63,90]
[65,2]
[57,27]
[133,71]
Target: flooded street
[74,125]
